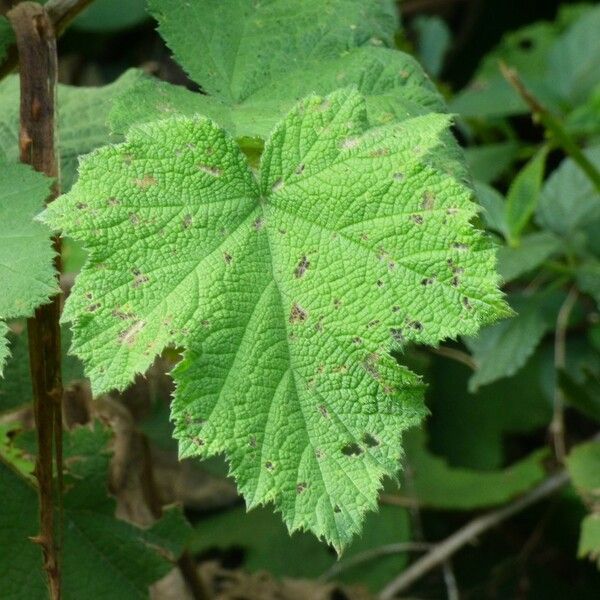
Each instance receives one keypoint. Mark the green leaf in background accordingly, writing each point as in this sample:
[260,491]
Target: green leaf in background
[584,396]
[111,15]
[238,62]
[583,464]
[106,557]
[502,349]
[589,540]
[266,283]
[493,204]
[574,60]
[546,57]
[311,50]
[7,36]
[26,270]
[268,546]
[487,163]
[15,387]
[434,38]
[531,252]
[569,204]
[588,278]
[475,431]
[81,121]
[523,196]
[435,484]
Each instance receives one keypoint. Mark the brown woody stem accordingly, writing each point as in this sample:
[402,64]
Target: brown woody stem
[36,45]
[60,13]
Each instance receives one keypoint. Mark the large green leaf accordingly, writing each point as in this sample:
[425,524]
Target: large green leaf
[237,62]
[105,557]
[26,254]
[288,291]
[392,82]
[82,119]
[276,60]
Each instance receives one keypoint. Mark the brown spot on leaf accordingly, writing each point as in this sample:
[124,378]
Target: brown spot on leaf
[418,219]
[227,258]
[146,181]
[93,307]
[352,449]
[397,335]
[301,487]
[370,440]
[187,221]
[428,201]
[297,314]
[129,335]
[209,170]
[258,223]
[301,267]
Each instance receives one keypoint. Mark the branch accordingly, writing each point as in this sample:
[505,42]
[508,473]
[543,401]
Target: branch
[457,355]
[552,124]
[61,13]
[37,56]
[442,551]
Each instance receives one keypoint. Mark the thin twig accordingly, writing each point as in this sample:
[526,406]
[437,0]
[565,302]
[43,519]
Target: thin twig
[450,581]
[61,13]
[369,555]
[457,355]
[36,45]
[557,426]
[442,551]
[552,124]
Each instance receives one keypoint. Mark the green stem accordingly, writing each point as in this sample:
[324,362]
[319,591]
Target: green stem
[552,125]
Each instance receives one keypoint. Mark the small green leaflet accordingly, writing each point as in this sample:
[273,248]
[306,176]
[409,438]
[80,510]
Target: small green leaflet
[26,254]
[288,290]
[583,464]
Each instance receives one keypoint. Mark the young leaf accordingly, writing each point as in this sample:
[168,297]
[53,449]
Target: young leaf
[287,291]
[493,214]
[26,270]
[523,196]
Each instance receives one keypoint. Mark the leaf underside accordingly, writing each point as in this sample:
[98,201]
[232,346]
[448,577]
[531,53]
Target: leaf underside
[287,289]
